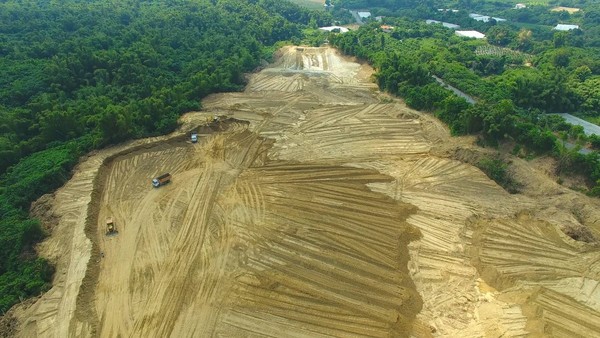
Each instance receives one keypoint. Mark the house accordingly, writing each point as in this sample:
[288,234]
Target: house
[387,28]
[479,17]
[470,34]
[520,6]
[445,24]
[379,18]
[561,27]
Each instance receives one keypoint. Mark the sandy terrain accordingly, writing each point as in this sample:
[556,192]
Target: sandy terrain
[316,206]
[571,10]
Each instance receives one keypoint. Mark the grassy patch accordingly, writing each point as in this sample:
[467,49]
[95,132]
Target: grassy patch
[500,51]
[591,119]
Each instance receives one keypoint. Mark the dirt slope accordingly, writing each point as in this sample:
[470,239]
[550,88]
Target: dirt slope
[314,209]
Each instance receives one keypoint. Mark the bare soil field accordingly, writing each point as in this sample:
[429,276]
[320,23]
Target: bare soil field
[314,206]
[571,10]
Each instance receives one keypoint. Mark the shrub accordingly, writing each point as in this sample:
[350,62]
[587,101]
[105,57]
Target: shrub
[498,171]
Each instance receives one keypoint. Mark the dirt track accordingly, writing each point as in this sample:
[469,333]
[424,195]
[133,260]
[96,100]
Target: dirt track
[315,209]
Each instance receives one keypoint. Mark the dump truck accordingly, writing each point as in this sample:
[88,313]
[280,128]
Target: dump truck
[110,226]
[194,137]
[161,180]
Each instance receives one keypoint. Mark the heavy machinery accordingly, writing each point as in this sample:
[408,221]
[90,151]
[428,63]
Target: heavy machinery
[161,180]
[110,227]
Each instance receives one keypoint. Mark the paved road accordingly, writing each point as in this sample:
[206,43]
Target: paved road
[356,17]
[583,151]
[456,91]
[588,128]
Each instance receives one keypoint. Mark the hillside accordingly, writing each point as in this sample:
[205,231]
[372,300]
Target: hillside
[315,206]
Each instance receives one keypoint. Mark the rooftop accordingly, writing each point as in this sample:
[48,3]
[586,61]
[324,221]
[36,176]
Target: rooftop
[445,24]
[562,27]
[470,34]
[331,28]
[484,18]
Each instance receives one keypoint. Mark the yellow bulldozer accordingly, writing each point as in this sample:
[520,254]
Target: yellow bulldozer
[110,227]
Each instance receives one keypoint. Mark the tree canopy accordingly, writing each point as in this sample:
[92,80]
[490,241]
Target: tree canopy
[514,90]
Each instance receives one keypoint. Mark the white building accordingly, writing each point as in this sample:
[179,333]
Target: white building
[479,17]
[445,24]
[331,28]
[484,18]
[470,34]
[561,27]
[520,6]
[364,15]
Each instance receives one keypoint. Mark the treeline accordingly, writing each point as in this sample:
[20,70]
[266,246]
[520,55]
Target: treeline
[512,99]
[119,71]
[22,274]
[77,75]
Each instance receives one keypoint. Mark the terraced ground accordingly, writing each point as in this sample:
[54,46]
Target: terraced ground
[315,206]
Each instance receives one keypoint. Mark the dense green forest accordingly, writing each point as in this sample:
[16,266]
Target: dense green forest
[517,76]
[77,75]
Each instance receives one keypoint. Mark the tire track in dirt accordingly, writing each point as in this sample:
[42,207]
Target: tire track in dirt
[352,132]
[564,317]
[245,221]
[65,309]
[291,279]
[184,260]
[539,259]
[133,225]
[447,194]
[538,252]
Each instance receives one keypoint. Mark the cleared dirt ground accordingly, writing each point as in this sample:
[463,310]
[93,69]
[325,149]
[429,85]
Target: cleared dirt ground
[316,206]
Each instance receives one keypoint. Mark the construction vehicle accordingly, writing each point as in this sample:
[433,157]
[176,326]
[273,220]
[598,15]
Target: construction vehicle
[194,137]
[110,227]
[161,180]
